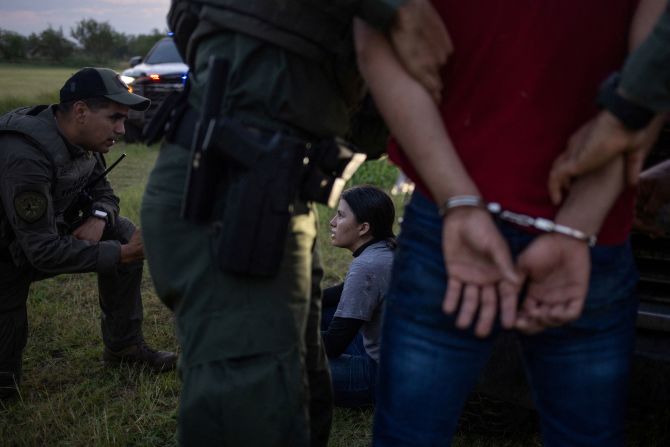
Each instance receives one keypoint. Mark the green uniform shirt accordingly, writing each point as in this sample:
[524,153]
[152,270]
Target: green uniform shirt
[272,87]
[646,75]
[36,189]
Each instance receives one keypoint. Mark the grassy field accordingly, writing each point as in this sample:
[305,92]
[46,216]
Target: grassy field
[31,84]
[35,84]
[69,399]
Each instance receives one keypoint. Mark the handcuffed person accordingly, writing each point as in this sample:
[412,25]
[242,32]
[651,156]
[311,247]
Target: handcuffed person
[277,78]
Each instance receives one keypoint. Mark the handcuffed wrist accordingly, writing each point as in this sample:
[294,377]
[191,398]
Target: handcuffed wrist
[522,220]
[553,227]
[460,202]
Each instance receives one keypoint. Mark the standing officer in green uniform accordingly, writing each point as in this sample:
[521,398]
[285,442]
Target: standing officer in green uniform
[49,225]
[247,311]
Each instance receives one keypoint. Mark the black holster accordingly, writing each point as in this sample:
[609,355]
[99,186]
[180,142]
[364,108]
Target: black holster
[245,188]
[257,209]
[260,174]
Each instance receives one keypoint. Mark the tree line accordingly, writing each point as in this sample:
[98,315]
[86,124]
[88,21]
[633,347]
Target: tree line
[91,42]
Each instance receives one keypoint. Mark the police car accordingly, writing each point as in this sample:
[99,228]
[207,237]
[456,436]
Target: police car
[155,76]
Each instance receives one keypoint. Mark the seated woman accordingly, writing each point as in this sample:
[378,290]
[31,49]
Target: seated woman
[352,310]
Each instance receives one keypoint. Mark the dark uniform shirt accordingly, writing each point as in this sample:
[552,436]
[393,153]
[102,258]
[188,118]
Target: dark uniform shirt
[35,191]
[272,87]
[646,75]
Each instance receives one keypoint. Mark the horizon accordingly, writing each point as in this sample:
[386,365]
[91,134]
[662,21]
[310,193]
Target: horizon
[125,16]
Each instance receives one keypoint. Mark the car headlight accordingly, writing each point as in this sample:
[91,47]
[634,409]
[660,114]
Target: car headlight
[127,79]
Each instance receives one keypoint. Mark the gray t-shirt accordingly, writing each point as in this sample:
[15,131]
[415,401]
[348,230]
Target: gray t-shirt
[365,288]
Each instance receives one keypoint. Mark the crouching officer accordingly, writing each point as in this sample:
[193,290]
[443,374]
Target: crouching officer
[59,214]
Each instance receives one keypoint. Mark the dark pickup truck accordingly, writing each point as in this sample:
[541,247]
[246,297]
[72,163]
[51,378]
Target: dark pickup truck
[161,72]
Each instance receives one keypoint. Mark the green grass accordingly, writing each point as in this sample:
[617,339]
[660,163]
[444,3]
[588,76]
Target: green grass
[69,399]
[24,85]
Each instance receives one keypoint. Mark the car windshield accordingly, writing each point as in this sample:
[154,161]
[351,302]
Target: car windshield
[164,52]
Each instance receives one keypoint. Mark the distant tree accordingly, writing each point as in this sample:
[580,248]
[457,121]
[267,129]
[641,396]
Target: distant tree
[50,44]
[13,46]
[98,39]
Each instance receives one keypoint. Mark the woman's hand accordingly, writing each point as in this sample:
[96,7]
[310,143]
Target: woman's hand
[480,271]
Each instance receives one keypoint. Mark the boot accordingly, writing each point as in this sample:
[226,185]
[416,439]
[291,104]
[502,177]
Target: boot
[141,355]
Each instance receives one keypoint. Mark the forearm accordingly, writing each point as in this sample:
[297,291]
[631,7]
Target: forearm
[412,116]
[106,201]
[591,197]
[70,255]
[340,334]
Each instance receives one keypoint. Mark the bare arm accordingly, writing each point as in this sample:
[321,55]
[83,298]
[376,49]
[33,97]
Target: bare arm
[476,257]
[413,117]
[557,267]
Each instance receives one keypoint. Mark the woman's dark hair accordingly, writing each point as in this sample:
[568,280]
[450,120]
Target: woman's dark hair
[372,205]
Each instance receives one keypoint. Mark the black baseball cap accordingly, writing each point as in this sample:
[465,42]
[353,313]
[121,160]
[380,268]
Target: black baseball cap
[92,82]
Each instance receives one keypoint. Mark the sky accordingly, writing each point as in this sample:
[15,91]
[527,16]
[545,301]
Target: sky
[125,16]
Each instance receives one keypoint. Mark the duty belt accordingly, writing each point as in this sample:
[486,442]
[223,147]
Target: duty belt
[183,134]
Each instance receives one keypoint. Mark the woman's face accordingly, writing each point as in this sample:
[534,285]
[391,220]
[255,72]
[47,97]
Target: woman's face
[345,231]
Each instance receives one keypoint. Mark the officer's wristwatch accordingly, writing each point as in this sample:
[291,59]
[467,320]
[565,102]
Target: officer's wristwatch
[631,115]
[100,214]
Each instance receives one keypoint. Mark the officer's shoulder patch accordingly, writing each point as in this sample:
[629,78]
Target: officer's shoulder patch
[30,205]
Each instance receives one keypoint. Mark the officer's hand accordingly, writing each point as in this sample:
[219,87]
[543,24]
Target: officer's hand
[595,144]
[91,230]
[422,43]
[134,249]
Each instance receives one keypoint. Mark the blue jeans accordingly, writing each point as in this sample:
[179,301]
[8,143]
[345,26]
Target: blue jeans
[354,373]
[578,372]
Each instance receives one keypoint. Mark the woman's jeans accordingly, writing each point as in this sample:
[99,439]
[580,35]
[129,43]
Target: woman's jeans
[578,372]
[354,372]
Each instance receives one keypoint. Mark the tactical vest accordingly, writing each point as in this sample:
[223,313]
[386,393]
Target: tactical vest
[32,124]
[314,29]
[69,174]
[320,31]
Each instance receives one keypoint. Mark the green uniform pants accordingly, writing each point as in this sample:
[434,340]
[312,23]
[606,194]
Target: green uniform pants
[253,368]
[120,302]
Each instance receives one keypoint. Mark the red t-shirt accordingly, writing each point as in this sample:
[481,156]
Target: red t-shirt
[523,77]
